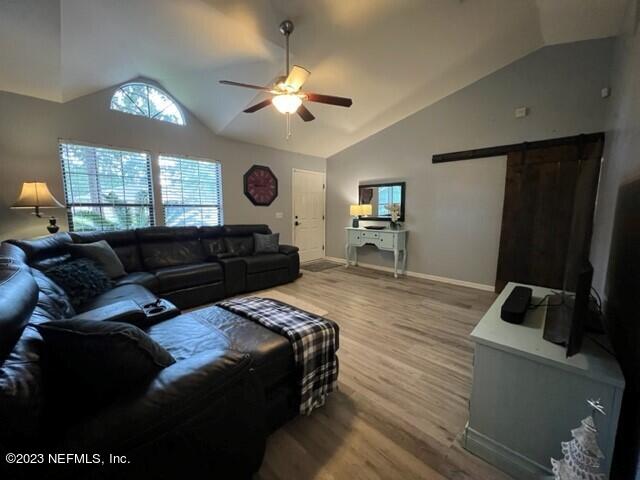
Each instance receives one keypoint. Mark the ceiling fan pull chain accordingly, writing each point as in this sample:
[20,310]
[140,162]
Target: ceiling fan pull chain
[288,115]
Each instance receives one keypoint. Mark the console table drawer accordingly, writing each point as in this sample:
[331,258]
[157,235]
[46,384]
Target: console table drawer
[379,239]
[370,235]
[387,240]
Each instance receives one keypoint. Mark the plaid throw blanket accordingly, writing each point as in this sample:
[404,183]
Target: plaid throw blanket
[313,338]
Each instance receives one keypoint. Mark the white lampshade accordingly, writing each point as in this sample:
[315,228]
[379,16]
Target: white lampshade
[286,103]
[36,195]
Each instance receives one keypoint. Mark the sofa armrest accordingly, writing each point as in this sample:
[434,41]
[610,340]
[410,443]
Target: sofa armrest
[288,249]
[126,311]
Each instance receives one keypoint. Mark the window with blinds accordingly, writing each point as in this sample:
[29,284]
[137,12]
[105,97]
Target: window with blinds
[191,191]
[106,188]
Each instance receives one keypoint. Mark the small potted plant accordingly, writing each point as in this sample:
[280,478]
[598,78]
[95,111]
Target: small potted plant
[394,211]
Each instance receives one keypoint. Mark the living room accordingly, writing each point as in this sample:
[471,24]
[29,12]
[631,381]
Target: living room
[206,204]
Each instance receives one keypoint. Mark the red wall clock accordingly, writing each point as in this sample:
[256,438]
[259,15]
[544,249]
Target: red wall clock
[260,185]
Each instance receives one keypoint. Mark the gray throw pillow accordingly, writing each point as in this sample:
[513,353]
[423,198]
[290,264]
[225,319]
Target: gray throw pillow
[101,253]
[269,243]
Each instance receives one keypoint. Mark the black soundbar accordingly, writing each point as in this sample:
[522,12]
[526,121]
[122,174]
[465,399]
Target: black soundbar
[516,305]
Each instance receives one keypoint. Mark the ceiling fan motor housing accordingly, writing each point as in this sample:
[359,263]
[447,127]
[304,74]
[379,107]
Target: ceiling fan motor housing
[286,27]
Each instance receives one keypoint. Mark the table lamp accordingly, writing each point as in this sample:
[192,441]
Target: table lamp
[37,195]
[357,211]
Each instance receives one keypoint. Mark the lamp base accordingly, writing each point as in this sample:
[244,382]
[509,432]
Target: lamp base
[52,227]
[355,223]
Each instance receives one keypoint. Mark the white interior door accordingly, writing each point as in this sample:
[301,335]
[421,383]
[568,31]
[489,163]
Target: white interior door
[308,213]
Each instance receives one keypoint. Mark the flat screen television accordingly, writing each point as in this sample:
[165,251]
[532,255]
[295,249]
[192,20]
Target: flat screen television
[567,311]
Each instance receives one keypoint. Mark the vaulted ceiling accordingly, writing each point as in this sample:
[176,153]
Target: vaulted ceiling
[393,57]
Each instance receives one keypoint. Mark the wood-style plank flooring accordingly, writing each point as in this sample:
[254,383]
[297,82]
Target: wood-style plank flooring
[405,378]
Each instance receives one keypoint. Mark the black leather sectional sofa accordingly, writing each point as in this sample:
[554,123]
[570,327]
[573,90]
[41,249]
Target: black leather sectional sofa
[205,416]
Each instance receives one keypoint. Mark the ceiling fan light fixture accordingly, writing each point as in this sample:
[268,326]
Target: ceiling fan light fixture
[287,103]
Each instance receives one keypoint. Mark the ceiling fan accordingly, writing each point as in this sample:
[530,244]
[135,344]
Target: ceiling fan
[287,96]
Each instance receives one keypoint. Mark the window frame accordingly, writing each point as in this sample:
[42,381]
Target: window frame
[161,204]
[148,85]
[151,182]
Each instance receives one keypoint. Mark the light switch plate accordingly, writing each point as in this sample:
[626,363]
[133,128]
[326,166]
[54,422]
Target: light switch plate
[522,112]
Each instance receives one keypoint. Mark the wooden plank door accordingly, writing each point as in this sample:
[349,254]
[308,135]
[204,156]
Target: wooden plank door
[539,205]
[308,213]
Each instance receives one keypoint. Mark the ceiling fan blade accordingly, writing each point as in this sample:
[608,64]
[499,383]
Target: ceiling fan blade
[305,114]
[329,99]
[244,85]
[297,76]
[258,106]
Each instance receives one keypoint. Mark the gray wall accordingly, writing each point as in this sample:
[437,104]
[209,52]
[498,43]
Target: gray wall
[29,133]
[615,251]
[454,210]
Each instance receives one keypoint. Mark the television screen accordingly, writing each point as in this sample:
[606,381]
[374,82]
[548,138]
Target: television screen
[567,312]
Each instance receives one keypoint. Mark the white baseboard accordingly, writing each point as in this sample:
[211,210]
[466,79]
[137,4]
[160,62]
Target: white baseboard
[425,276]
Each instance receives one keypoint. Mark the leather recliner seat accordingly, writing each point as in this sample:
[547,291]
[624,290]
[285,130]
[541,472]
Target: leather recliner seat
[232,383]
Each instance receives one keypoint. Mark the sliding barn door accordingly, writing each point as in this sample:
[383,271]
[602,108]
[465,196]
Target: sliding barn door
[539,204]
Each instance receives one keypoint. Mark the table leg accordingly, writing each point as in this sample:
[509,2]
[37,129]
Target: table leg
[395,263]
[404,262]
[346,254]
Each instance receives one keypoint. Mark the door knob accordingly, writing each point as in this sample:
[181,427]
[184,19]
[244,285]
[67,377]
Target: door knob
[297,223]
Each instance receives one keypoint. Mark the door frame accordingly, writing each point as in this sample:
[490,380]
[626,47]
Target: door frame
[324,206]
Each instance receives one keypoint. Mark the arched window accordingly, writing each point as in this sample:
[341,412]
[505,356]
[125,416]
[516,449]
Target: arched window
[147,101]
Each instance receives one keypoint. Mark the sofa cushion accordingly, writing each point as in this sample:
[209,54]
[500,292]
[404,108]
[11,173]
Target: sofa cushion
[245,230]
[268,243]
[185,276]
[21,390]
[81,279]
[212,241]
[168,246]
[137,293]
[272,355]
[239,246]
[186,335]
[123,242]
[146,279]
[101,359]
[266,262]
[52,299]
[46,252]
[18,298]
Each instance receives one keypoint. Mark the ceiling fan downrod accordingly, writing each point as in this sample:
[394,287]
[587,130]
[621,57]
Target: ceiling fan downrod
[286,29]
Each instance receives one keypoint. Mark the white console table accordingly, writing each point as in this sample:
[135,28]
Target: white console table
[391,240]
[527,395]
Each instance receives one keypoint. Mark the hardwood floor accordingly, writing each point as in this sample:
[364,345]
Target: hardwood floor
[405,379]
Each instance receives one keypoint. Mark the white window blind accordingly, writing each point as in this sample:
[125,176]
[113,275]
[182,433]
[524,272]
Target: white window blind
[106,188]
[191,191]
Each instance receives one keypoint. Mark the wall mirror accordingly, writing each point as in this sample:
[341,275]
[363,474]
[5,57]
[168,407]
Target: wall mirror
[381,196]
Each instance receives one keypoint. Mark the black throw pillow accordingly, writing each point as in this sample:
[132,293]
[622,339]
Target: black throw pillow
[269,243]
[101,253]
[97,360]
[82,279]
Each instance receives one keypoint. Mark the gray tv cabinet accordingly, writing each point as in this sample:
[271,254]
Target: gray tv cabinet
[527,396]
